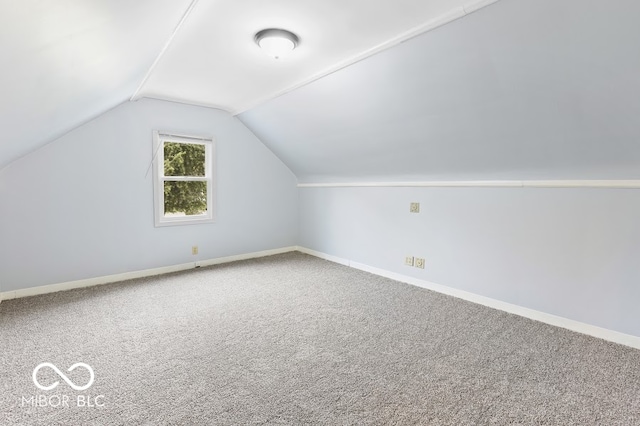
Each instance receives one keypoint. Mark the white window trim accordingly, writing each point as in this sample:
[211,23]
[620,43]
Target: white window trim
[158,178]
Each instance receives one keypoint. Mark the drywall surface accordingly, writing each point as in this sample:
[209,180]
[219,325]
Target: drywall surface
[82,206]
[567,252]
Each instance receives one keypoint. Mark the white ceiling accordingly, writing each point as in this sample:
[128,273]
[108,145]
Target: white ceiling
[66,61]
[214,61]
[522,89]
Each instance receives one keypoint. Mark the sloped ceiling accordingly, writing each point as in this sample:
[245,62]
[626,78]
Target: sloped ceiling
[66,61]
[70,60]
[520,89]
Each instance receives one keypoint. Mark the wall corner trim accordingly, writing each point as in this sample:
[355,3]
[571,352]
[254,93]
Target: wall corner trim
[90,282]
[569,324]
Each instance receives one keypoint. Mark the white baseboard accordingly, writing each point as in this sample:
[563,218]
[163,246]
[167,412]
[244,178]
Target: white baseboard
[52,288]
[254,255]
[569,324]
[334,259]
[580,327]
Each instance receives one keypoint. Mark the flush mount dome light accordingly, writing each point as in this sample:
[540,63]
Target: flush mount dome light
[277,42]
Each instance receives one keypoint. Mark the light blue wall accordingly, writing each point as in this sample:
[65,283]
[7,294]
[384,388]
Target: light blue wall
[82,206]
[568,252]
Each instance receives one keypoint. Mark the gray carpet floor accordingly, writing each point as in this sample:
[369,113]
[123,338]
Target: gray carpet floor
[291,339]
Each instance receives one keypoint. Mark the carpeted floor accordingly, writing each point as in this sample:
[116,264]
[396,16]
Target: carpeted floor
[292,339]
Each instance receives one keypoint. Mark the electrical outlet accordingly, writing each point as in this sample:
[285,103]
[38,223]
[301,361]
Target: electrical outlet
[414,208]
[419,263]
[194,250]
[408,260]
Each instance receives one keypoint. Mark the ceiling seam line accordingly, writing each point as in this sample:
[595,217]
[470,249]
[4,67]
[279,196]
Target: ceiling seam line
[163,51]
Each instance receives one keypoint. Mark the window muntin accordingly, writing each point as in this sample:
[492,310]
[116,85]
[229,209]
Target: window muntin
[183,179]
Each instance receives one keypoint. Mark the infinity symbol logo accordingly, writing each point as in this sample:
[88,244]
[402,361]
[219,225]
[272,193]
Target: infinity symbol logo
[61,374]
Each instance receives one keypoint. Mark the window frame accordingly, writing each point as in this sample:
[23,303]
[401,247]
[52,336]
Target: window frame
[159,139]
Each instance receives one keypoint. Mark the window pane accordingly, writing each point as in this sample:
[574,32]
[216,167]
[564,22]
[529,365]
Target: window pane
[183,159]
[185,198]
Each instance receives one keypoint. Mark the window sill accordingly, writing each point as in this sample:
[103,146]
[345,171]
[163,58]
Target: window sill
[182,221]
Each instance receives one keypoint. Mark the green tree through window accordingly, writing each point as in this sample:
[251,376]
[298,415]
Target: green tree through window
[184,160]
[183,185]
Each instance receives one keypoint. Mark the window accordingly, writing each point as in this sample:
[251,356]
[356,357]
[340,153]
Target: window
[183,179]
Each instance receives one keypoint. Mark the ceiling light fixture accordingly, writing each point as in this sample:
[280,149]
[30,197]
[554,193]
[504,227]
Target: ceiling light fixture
[276,42]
